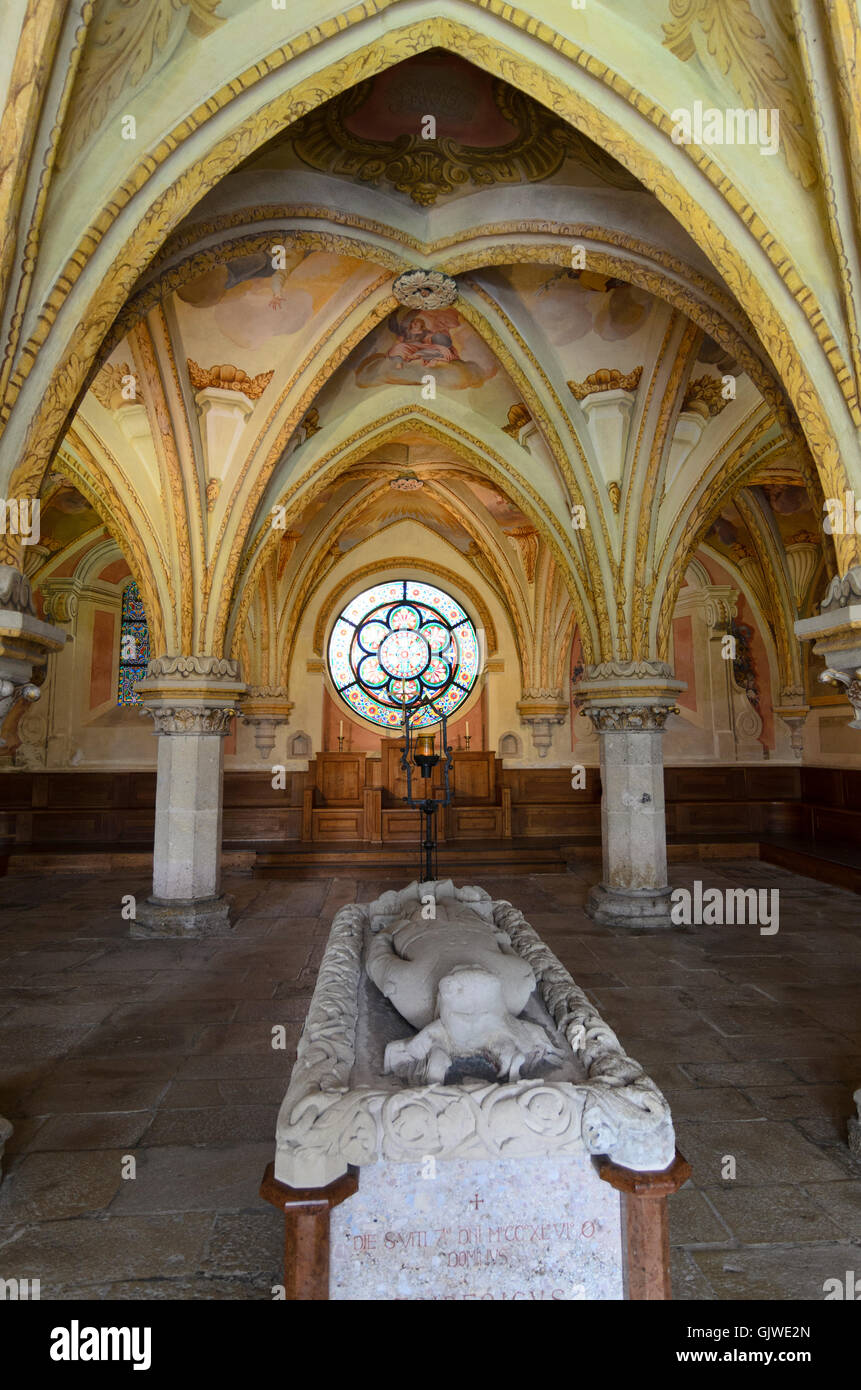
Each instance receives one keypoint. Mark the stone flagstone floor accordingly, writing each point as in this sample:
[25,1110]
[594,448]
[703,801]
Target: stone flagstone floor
[112,1047]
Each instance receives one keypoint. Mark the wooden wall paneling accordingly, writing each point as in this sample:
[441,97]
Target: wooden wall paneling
[473,776]
[256,789]
[373,814]
[506,813]
[402,823]
[248,825]
[16,790]
[772,783]
[476,822]
[307,812]
[548,784]
[704,783]
[135,827]
[337,823]
[341,778]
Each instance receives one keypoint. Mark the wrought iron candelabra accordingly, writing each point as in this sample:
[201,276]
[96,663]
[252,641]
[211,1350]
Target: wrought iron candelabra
[419,753]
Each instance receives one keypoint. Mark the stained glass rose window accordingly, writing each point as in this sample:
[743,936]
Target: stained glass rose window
[403,642]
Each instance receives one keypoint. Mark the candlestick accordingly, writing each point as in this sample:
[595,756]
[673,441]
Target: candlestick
[467,740]
[340,743]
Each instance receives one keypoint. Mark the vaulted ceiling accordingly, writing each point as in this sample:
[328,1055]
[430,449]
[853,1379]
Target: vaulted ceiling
[602,403]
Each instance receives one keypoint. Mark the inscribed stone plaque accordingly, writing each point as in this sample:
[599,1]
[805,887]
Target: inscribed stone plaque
[533,1229]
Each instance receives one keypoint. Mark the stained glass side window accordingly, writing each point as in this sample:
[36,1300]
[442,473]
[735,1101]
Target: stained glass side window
[403,643]
[134,646]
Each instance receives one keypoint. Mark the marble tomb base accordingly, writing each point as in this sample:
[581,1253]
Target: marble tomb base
[549,1188]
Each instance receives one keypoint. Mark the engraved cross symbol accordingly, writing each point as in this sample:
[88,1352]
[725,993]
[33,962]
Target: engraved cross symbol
[477,1202]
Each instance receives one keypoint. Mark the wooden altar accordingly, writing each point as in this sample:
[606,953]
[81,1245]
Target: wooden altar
[351,796]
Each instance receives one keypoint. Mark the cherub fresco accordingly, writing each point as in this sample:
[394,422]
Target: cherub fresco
[424,342]
[248,302]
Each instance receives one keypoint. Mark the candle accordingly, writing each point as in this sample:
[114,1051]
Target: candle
[340,728]
[467,728]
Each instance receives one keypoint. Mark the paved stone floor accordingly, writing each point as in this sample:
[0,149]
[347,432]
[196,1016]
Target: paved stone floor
[111,1047]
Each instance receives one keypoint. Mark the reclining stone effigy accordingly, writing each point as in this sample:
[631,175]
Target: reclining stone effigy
[511,1082]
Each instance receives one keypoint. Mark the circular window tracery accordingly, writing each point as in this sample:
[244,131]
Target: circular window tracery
[399,643]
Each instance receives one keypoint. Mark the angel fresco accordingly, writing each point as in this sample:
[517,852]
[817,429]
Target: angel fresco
[423,342]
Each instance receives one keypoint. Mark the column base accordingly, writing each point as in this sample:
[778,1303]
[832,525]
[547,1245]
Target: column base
[191,919]
[629,907]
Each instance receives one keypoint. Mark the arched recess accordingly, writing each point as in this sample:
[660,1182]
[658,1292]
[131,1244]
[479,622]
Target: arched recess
[101,270]
[662,275]
[120,525]
[689,292]
[498,570]
[591,607]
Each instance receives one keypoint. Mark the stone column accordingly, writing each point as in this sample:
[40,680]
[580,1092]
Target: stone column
[628,703]
[191,701]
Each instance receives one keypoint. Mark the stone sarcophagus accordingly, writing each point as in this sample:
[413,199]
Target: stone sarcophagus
[460,1121]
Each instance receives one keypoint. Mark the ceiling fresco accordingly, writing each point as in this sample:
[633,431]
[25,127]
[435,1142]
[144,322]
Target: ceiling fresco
[277,373]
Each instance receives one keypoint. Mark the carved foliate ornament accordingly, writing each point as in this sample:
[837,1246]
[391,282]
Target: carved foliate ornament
[727,34]
[628,718]
[116,385]
[425,289]
[427,169]
[127,39]
[15,591]
[193,668]
[605,379]
[851,682]
[528,542]
[406,482]
[190,720]
[842,592]
[705,396]
[226,377]
[518,416]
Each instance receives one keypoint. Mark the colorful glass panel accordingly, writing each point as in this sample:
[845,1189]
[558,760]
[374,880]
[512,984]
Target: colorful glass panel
[403,642]
[134,646]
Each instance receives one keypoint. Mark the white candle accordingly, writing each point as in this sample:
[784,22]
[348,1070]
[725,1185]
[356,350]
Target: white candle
[467,728]
[340,728]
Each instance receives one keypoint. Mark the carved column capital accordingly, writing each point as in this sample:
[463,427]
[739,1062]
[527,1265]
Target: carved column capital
[628,696]
[633,718]
[193,668]
[190,720]
[191,694]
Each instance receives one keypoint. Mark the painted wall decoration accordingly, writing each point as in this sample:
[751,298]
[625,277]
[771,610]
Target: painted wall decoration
[485,132]
[571,305]
[426,340]
[247,302]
